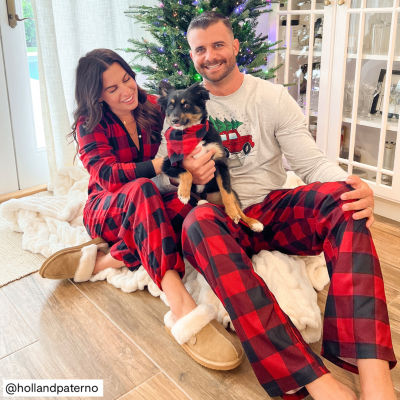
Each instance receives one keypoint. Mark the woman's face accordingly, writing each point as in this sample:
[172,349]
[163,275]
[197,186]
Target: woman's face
[119,90]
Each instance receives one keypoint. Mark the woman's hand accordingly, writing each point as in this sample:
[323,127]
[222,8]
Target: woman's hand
[202,168]
[364,199]
[157,164]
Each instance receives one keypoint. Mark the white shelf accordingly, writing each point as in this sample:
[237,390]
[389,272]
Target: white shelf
[374,123]
[304,53]
[377,57]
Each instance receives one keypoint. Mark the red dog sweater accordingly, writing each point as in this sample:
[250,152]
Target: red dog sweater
[180,143]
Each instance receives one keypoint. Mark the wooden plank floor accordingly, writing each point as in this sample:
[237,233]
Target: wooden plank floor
[58,329]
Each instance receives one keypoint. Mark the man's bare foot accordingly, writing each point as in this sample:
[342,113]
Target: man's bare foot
[376,382]
[328,388]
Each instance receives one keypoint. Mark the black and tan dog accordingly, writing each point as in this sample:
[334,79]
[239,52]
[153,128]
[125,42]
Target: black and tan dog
[186,114]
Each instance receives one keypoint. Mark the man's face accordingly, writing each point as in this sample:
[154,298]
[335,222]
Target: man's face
[213,51]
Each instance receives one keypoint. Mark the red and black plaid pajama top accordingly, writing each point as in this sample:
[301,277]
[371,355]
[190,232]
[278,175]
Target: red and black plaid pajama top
[124,206]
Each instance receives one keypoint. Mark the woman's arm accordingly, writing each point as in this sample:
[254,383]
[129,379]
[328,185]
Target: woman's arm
[99,158]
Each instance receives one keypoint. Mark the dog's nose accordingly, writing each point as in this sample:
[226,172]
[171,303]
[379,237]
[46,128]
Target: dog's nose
[175,120]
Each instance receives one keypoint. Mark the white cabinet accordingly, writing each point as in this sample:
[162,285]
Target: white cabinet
[342,65]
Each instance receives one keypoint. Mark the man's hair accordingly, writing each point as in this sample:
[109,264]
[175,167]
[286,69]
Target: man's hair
[205,19]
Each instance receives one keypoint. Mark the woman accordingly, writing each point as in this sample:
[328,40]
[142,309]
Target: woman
[118,131]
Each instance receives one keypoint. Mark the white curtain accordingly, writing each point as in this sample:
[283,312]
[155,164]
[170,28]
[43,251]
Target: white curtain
[67,30]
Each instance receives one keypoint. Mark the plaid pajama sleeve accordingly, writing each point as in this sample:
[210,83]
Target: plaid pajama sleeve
[302,221]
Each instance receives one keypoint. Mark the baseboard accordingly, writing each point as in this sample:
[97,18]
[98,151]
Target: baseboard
[387,209]
[22,193]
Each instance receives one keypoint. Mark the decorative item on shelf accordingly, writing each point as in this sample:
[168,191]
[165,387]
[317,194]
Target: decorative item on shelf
[318,34]
[348,98]
[394,101]
[313,130]
[388,155]
[301,88]
[368,93]
[303,38]
[344,153]
[302,75]
[394,95]
[380,37]
[315,80]
[343,134]
[294,29]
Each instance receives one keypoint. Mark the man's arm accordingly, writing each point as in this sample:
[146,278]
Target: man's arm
[307,160]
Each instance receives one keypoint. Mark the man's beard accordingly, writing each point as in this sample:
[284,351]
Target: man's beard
[228,69]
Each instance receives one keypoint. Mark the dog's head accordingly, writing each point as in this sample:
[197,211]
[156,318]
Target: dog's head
[183,108]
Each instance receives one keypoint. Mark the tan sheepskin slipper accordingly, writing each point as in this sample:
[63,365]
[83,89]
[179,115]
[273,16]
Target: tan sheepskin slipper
[205,339]
[73,262]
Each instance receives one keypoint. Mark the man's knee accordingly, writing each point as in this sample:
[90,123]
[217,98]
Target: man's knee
[332,202]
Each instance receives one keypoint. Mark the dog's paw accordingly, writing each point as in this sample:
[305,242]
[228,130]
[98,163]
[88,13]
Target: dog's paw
[235,218]
[257,226]
[200,188]
[183,199]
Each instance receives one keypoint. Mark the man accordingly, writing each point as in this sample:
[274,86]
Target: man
[333,217]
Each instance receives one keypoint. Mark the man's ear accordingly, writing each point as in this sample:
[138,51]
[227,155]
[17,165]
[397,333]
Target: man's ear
[164,88]
[191,54]
[236,46]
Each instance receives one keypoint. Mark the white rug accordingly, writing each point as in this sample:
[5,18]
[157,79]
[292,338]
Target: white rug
[15,263]
[51,222]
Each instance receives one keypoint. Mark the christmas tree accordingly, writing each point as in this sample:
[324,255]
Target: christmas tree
[168,55]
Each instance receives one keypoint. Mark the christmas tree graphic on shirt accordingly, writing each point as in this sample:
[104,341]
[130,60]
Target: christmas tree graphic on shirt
[234,144]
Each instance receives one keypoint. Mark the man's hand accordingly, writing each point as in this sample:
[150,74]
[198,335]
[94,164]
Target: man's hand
[364,199]
[202,168]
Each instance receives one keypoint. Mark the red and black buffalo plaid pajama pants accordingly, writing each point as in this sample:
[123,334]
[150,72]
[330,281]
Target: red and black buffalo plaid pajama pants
[141,225]
[144,227]
[302,221]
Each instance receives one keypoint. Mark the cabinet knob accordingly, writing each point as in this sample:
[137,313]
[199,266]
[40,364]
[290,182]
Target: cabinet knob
[327,2]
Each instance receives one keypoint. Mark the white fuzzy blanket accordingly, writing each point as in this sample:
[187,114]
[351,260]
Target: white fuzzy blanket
[50,222]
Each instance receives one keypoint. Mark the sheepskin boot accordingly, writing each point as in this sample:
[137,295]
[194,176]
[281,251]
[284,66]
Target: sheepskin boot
[205,339]
[73,262]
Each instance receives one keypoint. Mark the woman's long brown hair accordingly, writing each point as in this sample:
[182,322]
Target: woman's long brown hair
[89,87]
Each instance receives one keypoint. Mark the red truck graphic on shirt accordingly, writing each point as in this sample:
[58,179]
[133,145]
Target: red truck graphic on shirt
[231,140]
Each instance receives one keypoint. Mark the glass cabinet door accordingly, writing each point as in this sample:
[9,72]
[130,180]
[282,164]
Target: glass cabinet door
[300,25]
[364,124]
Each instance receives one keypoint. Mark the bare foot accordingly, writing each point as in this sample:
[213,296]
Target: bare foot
[104,261]
[179,299]
[328,388]
[376,382]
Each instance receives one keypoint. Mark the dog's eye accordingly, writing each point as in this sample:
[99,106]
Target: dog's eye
[171,106]
[186,106]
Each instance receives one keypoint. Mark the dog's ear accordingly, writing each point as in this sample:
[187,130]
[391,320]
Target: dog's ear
[200,91]
[164,87]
